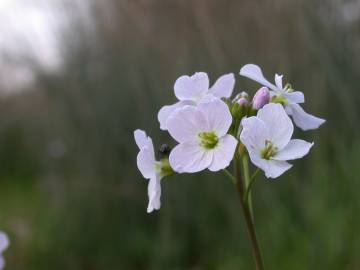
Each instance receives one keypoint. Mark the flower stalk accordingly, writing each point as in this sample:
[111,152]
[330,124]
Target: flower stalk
[248,217]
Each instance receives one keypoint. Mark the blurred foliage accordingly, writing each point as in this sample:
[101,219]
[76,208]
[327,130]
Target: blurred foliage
[71,195]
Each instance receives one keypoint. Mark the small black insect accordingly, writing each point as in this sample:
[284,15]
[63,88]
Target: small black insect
[164,150]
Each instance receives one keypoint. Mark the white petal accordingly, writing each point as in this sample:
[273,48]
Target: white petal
[190,157]
[279,125]
[224,86]
[278,81]
[223,153]
[146,161]
[295,97]
[253,134]
[4,241]
[154,193]
[186,123]
[218,116]
[295,149]
[165,112]
[272,168]
[192,88]
[302,119]
[140,138]
[254,72]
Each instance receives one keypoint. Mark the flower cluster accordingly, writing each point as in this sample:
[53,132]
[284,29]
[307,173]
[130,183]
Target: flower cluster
[211,129]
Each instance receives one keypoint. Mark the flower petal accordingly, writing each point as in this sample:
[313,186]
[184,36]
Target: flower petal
[278,81]
[146,161]
[4,241]
[224,86]
[254,72]
[191,88]
[295,149]
[218,116]
[279,125]
[165,112]
[190,157]
[253,134]
[223,153]
[186,123]
[154,193]
[272,168]
[295,97]
[302,119]
[140,138]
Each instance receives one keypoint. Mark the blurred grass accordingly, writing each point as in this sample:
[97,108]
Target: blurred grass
[83,206]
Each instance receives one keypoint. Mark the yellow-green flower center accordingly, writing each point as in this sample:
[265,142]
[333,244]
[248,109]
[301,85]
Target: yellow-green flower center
[164,168]
[208,140]
[279,98]
[269,150]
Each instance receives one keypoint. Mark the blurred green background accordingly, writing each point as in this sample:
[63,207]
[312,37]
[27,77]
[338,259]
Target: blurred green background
[77,77]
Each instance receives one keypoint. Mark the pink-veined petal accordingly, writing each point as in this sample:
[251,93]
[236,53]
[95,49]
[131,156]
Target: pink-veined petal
[141,138]
[271,168]
[192,88]
[146,161]
[278,81]
[295,97]
[278,123]
[154,193]
[295,149]
[224,86]
[190,157]
[166,110]
[253,134]
[186,123]
[302,119]
[223,153]
[218,116]
[254,72]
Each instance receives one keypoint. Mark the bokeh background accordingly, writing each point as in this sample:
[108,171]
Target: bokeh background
[78,76]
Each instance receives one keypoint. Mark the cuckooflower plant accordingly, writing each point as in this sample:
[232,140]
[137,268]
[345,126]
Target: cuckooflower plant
[213,131]
[284,95]
[192,90]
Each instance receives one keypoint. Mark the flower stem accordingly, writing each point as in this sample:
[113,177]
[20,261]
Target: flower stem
[248,189]
[247,196]
[248,218]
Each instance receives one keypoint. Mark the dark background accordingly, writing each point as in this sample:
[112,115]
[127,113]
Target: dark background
[77,77]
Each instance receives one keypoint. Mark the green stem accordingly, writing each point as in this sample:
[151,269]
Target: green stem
[248,190]
[228,174]
[247,196]
[248,219]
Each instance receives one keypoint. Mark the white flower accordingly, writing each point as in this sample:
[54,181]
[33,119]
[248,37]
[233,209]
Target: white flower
[267,138]
[284,95]
[4,244]
[201,133]
[150,168]
[195,89]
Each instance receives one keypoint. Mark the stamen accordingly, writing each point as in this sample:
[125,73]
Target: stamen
[209,140]
[269,150]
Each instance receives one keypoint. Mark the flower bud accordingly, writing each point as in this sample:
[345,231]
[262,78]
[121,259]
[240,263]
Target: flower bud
[262,97]
[241,95]
[242,101]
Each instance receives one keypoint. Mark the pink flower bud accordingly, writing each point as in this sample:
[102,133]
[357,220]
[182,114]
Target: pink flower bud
[262,97]
[242,101]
